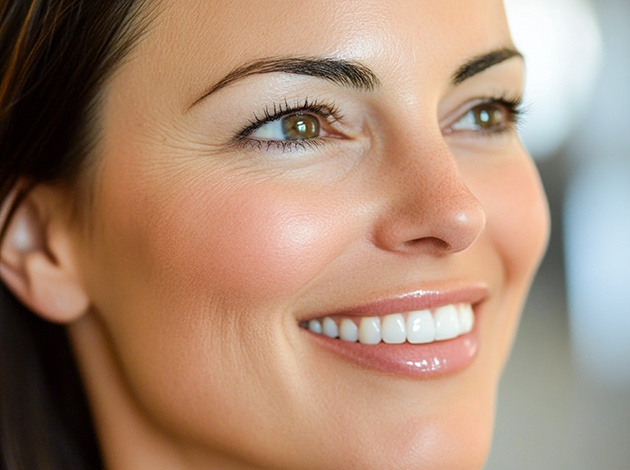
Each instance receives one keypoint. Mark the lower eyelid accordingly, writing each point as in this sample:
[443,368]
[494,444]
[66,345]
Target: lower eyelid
[308,145]
[504,132]
[270,145]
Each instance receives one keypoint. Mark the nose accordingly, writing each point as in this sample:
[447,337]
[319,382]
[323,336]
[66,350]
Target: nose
[429,207]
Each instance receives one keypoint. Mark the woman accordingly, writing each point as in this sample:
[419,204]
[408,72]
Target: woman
[270,234]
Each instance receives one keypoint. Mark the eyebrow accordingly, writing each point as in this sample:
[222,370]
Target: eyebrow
[341,72]
[347,73]
[482,62]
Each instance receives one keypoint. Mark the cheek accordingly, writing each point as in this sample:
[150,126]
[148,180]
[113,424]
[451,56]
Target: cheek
[257,242]
[228,242]
[518,218]
[517,230]
[191,266]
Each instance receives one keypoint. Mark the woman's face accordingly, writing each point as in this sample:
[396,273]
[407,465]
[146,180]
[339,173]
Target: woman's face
[359,163]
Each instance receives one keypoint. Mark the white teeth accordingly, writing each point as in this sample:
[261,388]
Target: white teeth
[393,329]
[315,326]
[330,328]
[446,322]
[370,330]
[348,331]
[420,327]
[466,319]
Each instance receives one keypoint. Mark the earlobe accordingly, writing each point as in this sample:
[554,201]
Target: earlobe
[36,261]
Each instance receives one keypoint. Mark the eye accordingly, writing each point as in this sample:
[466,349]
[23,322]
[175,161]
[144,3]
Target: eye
[484,116]
[296,126]
[491,116]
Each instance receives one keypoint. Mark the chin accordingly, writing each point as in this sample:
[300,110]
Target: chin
[460,441]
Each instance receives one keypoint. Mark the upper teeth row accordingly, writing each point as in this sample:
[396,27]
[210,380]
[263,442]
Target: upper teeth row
[423,326]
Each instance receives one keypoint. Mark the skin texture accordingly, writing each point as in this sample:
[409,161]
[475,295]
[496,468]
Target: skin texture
[199,258]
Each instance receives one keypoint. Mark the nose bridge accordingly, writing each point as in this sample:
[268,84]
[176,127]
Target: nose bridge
[429,207]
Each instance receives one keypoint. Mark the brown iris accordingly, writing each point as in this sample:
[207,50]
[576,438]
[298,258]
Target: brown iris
[300,126]
[488,116]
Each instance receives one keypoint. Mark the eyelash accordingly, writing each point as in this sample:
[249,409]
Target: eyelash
[328,111]
[513,107]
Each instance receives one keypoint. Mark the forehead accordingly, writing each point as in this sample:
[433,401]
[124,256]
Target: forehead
[192,44]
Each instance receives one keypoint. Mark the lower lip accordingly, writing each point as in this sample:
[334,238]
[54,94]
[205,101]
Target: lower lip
[427,361]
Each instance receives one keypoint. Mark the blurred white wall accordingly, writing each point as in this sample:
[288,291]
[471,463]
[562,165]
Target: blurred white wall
[562,44]
[597,215]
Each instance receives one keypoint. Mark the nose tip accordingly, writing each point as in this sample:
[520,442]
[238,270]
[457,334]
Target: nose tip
[442,219]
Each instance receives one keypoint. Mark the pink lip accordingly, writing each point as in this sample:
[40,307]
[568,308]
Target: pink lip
[427,361]
[416,300]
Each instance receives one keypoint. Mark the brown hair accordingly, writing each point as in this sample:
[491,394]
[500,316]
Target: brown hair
[55,56]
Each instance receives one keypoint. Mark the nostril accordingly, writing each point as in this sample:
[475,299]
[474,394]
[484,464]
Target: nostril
[434,244]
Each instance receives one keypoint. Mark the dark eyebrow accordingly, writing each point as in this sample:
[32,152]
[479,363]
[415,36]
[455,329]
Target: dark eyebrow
[482,62]
[339,71]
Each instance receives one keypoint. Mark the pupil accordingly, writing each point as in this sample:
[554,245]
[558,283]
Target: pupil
[300,127]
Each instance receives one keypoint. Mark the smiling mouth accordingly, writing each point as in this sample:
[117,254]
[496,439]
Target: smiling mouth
[423,334]
[415,327]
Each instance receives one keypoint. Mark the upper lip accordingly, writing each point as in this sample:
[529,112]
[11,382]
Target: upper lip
[412,300]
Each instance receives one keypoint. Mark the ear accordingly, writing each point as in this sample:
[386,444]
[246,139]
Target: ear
[37,260]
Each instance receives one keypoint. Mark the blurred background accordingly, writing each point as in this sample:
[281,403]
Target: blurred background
[564,401]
